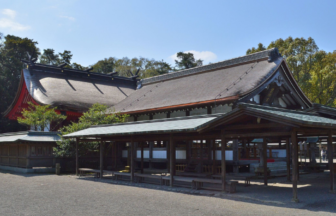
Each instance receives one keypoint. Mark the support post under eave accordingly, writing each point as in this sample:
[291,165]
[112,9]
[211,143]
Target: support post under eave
[213,157]
[265,160]
[76,150]
[288,158]
[295,165]
[132,159]
[172,159]
[142,157]
[101,151]
[331,162]
[223,163]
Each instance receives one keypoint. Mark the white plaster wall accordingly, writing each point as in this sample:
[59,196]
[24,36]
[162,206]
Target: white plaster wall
[124,153]
[159,154]
[282,103]
[221,109]
[181,154]
[198,112]
[143,118]
[177,114]
[228,155]
[281,152]
[130,119]
[145,153]
[160,116]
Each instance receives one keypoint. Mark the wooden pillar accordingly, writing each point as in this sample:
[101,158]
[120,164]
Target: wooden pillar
[223,163]
[288,158]
[142,157]
[235,156]
[187,151]
[298,163]
[28,156]
[77,165]
[151,147]
[132,159]
[168,155]
[213,142]
[295,167]
[101,152]
[115,155]
[264,152]
[201,155]
[172,159]
[331,162]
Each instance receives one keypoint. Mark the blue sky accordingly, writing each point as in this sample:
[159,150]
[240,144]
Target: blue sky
[214,30]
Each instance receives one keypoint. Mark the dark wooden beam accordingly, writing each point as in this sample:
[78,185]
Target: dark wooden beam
[253,126]
[331,162]
[223,162]
[142,157]
[264,152]
[172,159]
[101,158]
[288,158]
[213,142]
[255,135]
[132,159]
[294,165]
[77,165]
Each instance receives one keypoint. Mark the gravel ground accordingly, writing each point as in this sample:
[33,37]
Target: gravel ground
[33,194]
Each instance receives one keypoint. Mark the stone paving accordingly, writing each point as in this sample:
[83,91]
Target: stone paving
[36,194]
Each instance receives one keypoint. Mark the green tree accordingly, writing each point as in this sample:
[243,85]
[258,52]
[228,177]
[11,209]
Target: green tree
[98,114]
[12,50]
[322,85]
[259,48]
[148,67]
[187,60]
[49,57]
[299,54]
[65,57]
[40,117]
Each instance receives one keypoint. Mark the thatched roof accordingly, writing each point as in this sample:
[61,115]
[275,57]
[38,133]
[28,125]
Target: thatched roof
[70,90]
[75,92]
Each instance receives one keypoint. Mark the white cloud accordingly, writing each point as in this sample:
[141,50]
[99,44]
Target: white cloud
[68,17]
[206,56]
[8,21]
[9,13]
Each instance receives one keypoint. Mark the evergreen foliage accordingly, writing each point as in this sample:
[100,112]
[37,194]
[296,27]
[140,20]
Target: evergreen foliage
[98,114]
[40,117]
[313,69]
[187,60]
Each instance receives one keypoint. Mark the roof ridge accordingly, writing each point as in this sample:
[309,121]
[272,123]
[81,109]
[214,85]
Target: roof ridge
[242,104]
[161,120]
[14,133]
[271,54]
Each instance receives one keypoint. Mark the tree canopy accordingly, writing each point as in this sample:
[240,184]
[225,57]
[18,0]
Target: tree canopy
[186,61]
[313,69]
[148,67]
[12,50]
[40,117]
[98,114]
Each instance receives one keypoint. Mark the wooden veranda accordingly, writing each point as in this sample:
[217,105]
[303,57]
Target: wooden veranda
[244,122]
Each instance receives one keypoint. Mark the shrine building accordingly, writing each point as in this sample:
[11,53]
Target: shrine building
[243,115]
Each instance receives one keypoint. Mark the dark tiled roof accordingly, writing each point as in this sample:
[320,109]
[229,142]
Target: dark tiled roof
[30,136]
[179,124]
[241,76]
[321,109]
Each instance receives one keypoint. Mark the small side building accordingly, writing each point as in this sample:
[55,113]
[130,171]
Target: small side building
[28,151]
